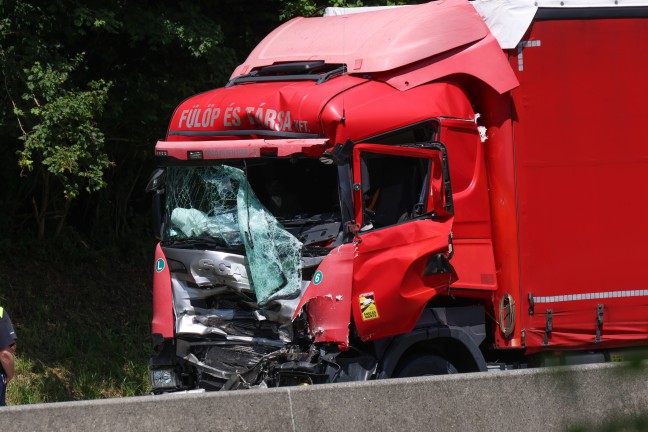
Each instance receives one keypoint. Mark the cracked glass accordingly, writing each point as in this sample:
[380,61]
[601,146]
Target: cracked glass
[216,205]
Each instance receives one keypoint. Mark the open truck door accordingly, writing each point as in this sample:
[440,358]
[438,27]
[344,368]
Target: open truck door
[404,214]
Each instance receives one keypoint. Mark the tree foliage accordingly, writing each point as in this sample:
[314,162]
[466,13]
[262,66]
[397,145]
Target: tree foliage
[64,138]
[89,87]
[309,8]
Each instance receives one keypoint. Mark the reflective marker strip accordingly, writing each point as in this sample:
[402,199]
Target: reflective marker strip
[591,296]
[521,46]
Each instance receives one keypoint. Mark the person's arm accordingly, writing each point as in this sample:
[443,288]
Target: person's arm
[7,361]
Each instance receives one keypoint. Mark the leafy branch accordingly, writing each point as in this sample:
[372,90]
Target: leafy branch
[64,140]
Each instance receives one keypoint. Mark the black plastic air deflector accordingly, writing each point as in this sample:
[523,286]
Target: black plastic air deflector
[296,71]
[293,68]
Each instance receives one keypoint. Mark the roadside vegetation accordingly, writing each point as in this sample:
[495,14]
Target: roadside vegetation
[82,317]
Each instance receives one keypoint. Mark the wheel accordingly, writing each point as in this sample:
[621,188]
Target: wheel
[425,365]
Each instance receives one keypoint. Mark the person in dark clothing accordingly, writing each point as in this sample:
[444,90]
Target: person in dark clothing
[7,350]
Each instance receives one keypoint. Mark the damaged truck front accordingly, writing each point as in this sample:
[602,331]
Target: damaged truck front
[305,210]
[235,268]
[262,256]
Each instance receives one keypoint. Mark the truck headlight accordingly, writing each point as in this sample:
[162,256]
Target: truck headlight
[163,378]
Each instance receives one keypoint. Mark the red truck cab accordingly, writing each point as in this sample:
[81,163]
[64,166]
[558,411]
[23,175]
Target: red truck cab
[383,194]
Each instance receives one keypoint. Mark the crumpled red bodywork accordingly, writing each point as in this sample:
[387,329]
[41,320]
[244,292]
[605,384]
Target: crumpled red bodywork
[328,297]
[388,268]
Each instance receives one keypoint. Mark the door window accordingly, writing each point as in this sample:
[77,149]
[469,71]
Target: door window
[395,184]
[394,188]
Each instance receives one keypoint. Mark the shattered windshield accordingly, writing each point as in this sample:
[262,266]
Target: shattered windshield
[300,193]
[202,202]
[218,207]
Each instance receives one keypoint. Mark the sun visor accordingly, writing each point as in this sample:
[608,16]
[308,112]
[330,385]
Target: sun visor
[238,149]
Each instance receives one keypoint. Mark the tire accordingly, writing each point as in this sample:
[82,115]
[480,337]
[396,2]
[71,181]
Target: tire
[425,365]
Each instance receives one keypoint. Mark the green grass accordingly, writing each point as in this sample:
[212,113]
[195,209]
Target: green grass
[83,321]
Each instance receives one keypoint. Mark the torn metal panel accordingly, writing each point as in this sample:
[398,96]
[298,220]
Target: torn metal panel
[209,268]
[328,297]
[223,285]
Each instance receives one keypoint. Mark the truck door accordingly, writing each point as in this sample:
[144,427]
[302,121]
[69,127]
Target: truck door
[404,214]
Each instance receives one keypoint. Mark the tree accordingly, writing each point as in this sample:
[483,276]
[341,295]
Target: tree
[293,8]
[59,147]
[64,141]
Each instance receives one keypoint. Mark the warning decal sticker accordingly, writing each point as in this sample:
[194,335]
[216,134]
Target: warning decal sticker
[368,306]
